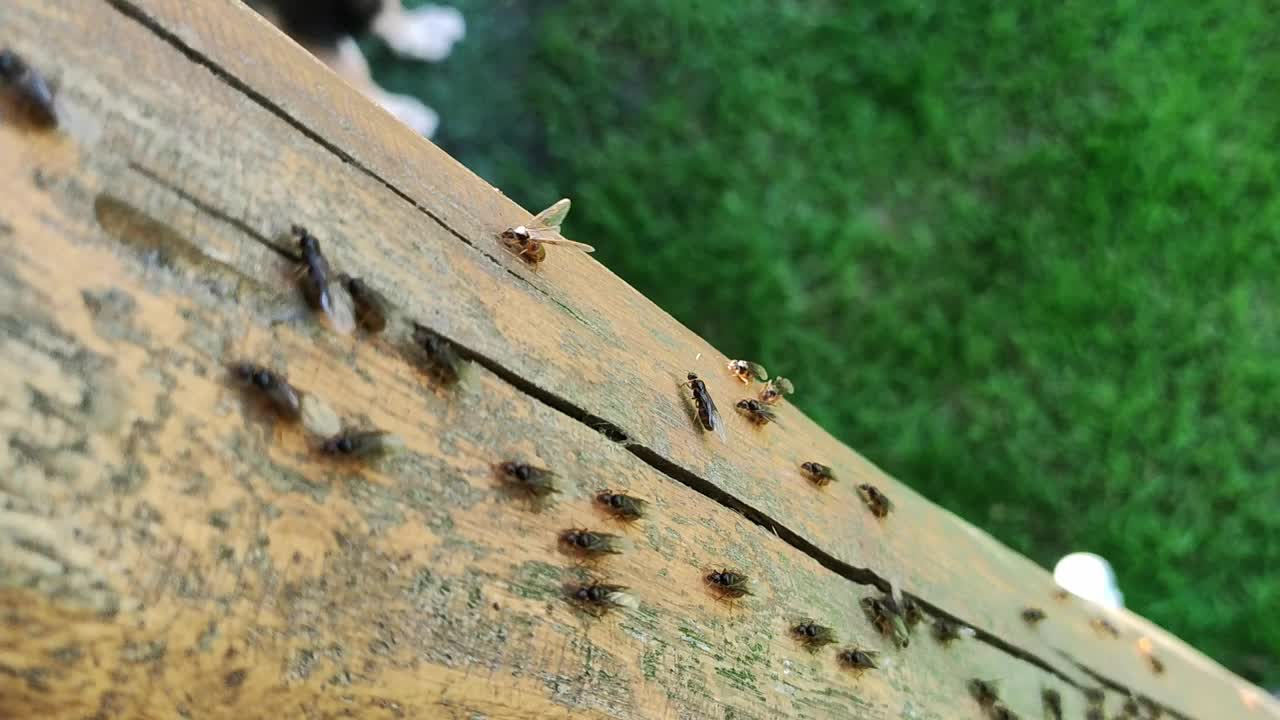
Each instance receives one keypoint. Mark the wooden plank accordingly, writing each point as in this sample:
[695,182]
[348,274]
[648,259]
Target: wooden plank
[572,329]
[465,204]
[187,554]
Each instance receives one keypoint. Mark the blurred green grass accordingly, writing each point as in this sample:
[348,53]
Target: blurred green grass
[1023,257]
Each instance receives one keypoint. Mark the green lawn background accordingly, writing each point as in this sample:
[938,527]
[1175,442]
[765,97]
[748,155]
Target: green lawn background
[1022,255]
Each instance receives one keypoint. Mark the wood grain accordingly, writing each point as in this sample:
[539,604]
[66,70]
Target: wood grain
[196,134]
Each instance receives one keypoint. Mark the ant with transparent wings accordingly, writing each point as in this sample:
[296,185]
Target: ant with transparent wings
[528,241]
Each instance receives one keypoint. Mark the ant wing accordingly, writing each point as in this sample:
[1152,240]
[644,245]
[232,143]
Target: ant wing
[895,592]
[553,217]
[717,423]
[757,371]
[337,306]
[557,240]
[552,236]
[318,418]
[541,475]
[623,599]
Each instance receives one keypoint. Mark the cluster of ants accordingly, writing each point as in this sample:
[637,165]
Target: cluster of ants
[349,303]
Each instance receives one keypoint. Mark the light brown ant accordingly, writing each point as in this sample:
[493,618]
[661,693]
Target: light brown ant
[775,389]
[877,502]
[746,371]
[528,242]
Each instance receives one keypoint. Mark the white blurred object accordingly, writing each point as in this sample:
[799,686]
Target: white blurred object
[1091,577]
[349,62]
[409,110]
[426,33]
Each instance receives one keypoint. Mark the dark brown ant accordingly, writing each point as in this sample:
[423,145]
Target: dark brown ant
[534,482]
[314,278]
[1094,697]
[775,389]
[1000,711]
[271,386]
[946,631]
[1105,626]
[1033,616]
[598,598]
[30,88]
[361,444]
[818,474]
[622,507]
[885,618]
[371,308]
[708,416]
[438,358]
[911,612]
[728,584]
[857,660]
[1052,702]
[985,692]
[585,543]
[812,635]
[746,371]
[1130,707]
[877,502]
[757,412]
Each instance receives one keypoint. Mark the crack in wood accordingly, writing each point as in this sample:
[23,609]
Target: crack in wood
[212,211]
[861,576]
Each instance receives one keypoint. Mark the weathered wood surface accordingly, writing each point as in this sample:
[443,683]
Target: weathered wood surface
[194,135]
